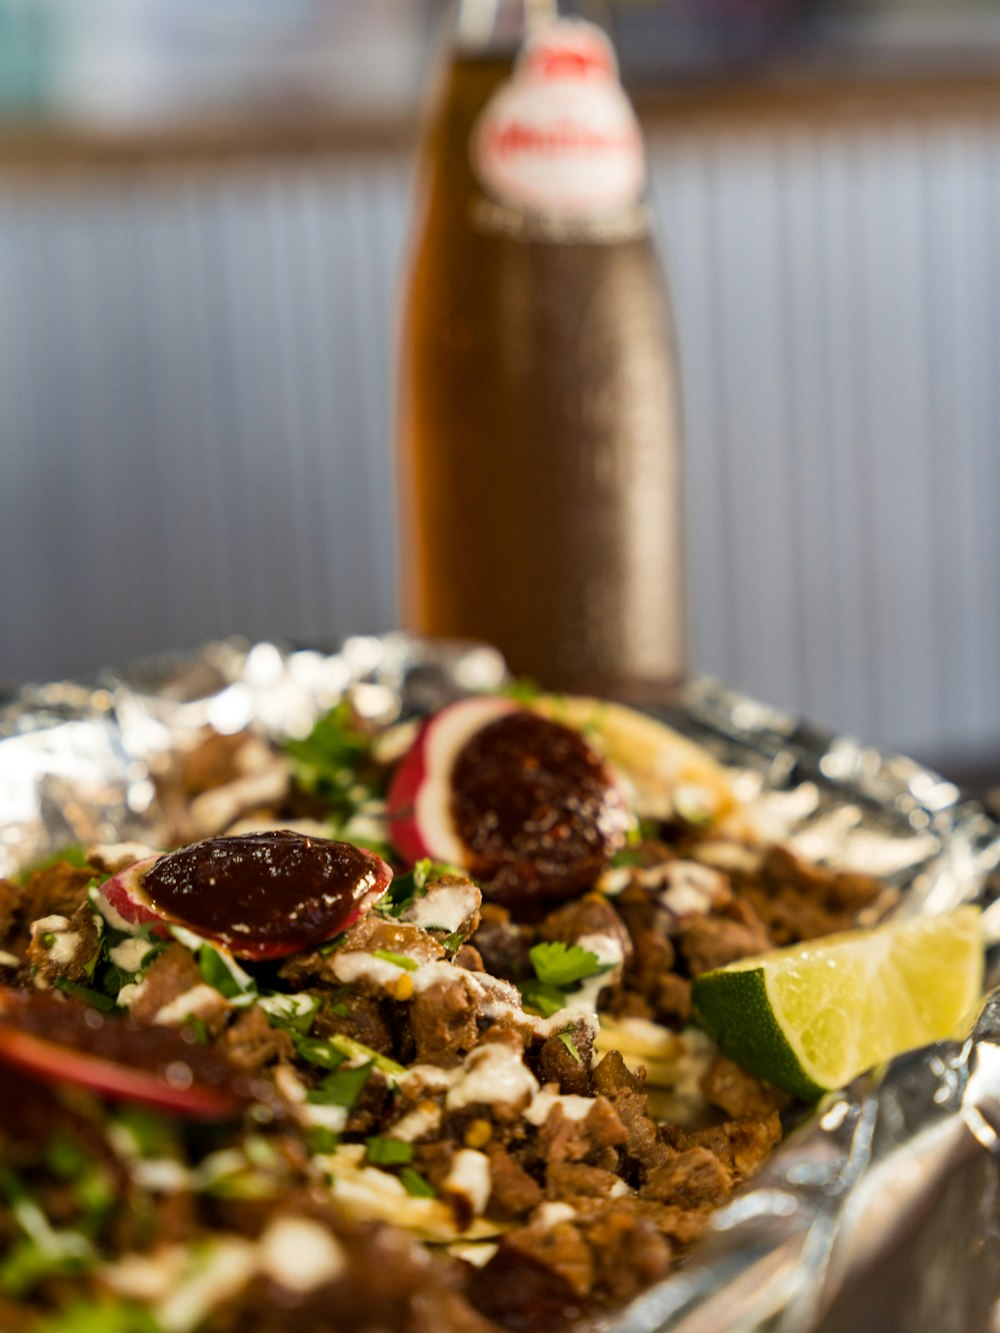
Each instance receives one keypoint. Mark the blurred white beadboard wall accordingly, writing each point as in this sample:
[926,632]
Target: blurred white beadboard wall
[195,384]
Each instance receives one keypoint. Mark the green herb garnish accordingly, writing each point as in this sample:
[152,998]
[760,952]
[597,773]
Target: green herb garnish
[562,965]
[627,857]
[402,960]
[416,1185]
[570,1045]
[341,1088]
[86,993]
[405,889]
[228,978]
[558,968]
[356,1050]
[321,1140]
[383,1151]
[546,1000]
[317,1052]
[328,762]
[100,1317]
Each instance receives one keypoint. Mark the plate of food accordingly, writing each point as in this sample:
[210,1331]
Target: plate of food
[374,990]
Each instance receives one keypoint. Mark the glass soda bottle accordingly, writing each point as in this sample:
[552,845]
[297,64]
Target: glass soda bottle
[538,404]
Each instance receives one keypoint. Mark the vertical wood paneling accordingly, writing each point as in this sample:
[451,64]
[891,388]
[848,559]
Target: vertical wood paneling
[195,413]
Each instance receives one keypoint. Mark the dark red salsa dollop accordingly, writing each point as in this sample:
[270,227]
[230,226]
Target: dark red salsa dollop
[266,894]
[537,809]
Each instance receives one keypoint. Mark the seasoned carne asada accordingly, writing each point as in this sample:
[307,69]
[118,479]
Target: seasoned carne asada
[262,1083]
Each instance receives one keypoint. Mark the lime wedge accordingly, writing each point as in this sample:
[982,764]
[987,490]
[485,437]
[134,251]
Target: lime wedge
[811,1017]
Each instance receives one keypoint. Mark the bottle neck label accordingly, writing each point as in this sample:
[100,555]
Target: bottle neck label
[558,143]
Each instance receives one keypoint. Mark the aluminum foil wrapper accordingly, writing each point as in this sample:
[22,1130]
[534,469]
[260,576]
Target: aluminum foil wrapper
[882,1212]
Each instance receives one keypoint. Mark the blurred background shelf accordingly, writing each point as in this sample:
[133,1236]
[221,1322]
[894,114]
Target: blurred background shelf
[201,236]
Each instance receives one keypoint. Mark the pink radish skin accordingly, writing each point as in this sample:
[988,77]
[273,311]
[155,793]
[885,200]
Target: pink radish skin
[40,1058]
[420,794]
[123,892]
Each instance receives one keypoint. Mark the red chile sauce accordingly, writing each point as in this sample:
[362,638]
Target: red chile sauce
[266,894]
[537,809]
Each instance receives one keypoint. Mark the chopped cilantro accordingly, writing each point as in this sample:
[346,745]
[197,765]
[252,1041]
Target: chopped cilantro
[340,1009]
[342,1087]
[48,939]
[223,974]
[28,1263]
[562,965]
[100,1317]
[383,1151]
[85,993]
[152,1134]
[321,1140]
[398,959]
[452,943]
[628,857]
[39,1252]
[198,1028]
[356,1050]
[570,1045]
[65,1158]
[546,1000]
[405,889]
[293,1013]
[318,1052]
[523,690]
[416,1185]
[328,763]
[74,855]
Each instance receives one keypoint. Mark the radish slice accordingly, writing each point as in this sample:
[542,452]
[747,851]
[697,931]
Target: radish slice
[521,802]
[263,895]
[64,1042]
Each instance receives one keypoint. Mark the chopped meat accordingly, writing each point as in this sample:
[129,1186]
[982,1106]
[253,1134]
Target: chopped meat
[63,948]
[359,1017]
[590,915]
[742,1145]
[653,957]
[515,1192]
[565,1139]
[681,1226]
[612,1076]
[739,1094]
[368,1111]
[691,1179]
[250,1042]
[643,1144]
[572,1180]
[171,975]
[10,898]
[708,942]
[503,946]
[798,901]
[672,1003]
[443,1019]
[628,1253]
[570,1069]
[623,1089]
[373,932]
[560,1249]
[212,762]
[55,889]
[520,1291]
[470,958]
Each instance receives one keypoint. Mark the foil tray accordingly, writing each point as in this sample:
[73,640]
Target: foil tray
[881,1212]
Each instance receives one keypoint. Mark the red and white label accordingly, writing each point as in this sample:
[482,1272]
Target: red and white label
[560,137]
